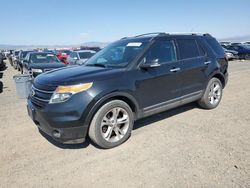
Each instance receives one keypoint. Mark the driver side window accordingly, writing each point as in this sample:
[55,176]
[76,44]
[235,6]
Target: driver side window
[161,52]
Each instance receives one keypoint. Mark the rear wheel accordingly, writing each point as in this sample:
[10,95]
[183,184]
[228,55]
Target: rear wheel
[112,124]
[212,95]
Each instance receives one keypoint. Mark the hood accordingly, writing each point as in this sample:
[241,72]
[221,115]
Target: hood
[46,65]
[77,74]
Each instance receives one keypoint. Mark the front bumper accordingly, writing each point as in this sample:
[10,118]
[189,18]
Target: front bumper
[63,122]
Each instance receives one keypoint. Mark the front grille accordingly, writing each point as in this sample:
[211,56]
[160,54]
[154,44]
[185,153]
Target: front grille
[40,97]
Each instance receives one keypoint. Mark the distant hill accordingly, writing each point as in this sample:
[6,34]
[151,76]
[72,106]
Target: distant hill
[102,44]
[7,46]
[236,39]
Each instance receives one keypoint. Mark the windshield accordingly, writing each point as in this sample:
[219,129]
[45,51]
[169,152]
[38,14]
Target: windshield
[86,55]
[24,53]
[43,58]
[118,54]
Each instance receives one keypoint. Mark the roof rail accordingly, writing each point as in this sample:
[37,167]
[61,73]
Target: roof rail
[206,34]
[156,33]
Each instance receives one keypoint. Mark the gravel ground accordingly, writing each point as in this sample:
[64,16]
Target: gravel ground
[184,147]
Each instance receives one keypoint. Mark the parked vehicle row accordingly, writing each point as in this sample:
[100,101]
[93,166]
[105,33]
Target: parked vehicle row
[242,49]
[2,63]
[36,62]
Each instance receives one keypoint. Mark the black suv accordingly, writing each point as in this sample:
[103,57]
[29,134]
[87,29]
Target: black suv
[129,79]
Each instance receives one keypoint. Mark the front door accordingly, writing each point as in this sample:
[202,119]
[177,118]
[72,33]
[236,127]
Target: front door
[160,85]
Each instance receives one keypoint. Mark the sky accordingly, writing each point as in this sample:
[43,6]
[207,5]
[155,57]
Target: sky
[65,22]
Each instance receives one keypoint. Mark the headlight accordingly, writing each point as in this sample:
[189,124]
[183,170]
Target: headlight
[37,70]
[63,93]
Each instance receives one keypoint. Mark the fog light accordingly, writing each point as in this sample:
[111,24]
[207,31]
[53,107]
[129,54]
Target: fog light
[56,134]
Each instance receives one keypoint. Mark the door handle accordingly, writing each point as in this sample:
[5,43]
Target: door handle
[207,62]
[175,69]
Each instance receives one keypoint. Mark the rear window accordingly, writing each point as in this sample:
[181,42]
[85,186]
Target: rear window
[188,48]
[215,46]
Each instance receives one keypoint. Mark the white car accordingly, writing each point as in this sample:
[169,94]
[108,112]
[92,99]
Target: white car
[80,57]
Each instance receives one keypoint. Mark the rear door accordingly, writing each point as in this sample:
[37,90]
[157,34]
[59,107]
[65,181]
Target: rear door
[194,63]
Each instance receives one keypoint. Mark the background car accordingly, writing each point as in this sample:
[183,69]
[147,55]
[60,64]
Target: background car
[22,54]
[36,63]
[231,54]
[243,50]
[15,58]
[2,64]
[80,57]
[63,55]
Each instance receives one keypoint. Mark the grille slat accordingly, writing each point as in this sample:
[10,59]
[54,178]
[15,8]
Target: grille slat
[40,97]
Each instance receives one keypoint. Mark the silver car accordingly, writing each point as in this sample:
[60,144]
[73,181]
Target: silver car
[80,57]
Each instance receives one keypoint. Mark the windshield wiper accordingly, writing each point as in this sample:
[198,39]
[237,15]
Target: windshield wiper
[97,65]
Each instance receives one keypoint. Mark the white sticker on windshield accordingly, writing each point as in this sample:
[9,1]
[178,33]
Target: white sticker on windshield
[137,44]
[50,55]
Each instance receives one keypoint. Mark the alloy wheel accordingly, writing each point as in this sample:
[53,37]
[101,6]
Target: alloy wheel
[115,124]
[214,93]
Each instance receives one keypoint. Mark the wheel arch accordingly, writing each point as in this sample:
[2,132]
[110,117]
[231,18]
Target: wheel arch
[220,77]
[123,96]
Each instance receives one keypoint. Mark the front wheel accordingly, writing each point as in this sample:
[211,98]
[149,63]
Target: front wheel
[212,95]
[112,124]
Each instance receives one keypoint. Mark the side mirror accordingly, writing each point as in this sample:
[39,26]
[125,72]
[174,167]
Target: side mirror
[75,58]
[151,64]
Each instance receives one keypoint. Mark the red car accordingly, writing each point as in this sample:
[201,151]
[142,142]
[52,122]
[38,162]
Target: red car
[63,55]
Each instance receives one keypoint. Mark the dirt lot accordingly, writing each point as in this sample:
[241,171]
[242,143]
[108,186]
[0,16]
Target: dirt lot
[184,147]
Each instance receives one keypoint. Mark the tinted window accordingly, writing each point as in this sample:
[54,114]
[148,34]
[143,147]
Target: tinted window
[24,53]
[71,55]
[216,47]
[188,48]
[66,52]
[201,50]
[162,52]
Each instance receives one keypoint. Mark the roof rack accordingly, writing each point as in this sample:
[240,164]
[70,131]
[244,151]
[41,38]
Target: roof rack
[206,34]
[155,33]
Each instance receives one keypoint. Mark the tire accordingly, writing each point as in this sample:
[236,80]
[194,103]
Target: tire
[211,97]
[104,131]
